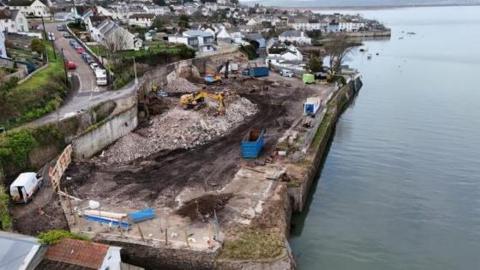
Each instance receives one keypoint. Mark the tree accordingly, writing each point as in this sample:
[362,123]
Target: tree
[158,23]
[184,21]
[160,2]
[336,50]
[315,64]
[37,46]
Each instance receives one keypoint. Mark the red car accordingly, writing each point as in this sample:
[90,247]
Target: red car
[71,65]
[80,50]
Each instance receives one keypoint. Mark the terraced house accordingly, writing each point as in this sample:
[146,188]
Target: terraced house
[12,21]
[30,8]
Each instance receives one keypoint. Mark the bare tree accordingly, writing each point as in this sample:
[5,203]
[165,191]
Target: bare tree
[117,40]
[336,50]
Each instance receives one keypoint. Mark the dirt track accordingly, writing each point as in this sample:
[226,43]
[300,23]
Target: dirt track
[161,177]
[207,167]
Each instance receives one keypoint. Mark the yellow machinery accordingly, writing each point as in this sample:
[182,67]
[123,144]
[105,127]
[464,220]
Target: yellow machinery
[197,99]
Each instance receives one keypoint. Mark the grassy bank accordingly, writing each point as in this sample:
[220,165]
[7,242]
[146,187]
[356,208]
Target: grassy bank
[40,94]
[253,245]
[16,147]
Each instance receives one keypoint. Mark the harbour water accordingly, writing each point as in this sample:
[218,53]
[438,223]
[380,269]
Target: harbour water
[400,188]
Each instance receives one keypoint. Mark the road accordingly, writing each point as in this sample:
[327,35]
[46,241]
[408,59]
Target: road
[83,71]
[88,94]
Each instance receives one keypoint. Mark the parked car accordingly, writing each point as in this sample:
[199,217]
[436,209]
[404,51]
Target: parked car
[71,65]
[286,73]
[67,35]
[73,42]
[89,59]
[80,49]
[94,65]
[51,36]
[61,27]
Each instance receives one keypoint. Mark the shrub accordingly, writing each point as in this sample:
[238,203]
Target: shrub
[15,147]
[250,51]
[5,219]
[54,236]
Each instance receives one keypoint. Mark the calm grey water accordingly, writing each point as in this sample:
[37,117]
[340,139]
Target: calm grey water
[400,188]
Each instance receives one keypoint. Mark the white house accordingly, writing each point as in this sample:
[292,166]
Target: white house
[12,21]
[29,8]
[307,25]
[237,37]
[291,55]
[115,37]
[202,41]
[223,34]
[252,22]
[156,9]
[142,20]
[3,50]
[294,36]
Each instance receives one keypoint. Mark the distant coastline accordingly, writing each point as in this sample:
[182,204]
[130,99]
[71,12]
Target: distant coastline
[366,7]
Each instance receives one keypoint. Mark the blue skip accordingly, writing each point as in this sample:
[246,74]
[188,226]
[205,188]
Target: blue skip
[253,143]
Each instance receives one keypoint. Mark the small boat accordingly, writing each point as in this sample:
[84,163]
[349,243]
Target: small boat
[377,53]
[411,33]
[400,38]
[369,56]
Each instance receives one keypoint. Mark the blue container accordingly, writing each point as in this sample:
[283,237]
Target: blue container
[253,143]
[259,72]
[141,215]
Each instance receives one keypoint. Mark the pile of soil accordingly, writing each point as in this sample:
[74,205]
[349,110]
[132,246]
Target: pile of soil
[204,207]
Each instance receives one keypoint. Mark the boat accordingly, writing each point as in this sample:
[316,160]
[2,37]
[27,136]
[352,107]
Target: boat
[369,56]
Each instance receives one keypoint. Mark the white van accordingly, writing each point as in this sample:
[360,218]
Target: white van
[286,73]
[101,76]
[23,188]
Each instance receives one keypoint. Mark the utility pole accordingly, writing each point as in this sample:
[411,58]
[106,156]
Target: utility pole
[47,38]
[135,71]
[65,68]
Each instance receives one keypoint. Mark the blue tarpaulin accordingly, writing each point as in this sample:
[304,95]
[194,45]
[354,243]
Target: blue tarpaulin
[108,221]
[141,215]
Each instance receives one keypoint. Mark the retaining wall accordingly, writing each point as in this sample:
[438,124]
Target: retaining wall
[104,133]
[318,151]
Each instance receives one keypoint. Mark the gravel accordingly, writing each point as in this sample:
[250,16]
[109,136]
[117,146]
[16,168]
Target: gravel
[179,129]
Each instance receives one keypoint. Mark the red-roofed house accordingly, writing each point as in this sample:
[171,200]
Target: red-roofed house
[77,254]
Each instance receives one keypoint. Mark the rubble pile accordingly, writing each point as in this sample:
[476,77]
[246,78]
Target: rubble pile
[180,84]
[179,129]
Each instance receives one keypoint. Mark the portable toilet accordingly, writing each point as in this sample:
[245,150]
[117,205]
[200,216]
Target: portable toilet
[308,78]
[23,188]
[311,106]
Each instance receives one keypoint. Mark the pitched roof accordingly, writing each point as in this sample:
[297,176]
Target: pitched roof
[78,252]
[17,250]
[6,14]
[142,16]
[20,3]
[194,33]
[291,33]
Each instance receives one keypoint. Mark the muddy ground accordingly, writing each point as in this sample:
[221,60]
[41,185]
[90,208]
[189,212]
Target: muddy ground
[42,213]
[157,180]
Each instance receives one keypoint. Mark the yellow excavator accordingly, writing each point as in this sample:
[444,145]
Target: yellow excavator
[197,100]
